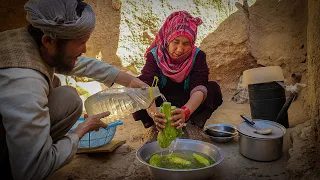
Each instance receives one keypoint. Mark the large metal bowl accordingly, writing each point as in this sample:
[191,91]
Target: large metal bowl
[147,150]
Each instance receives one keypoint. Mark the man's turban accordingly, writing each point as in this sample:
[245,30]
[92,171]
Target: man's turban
[59,19]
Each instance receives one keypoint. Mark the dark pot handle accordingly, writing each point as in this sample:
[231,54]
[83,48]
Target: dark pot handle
[248,120]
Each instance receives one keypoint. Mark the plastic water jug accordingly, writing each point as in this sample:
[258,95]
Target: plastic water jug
[120,102]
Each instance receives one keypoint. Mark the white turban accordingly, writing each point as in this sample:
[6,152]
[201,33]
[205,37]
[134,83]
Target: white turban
[59,19]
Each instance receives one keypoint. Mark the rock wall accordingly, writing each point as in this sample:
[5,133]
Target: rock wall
[105,38]
[228,50]
[12,14]
[267,33]
[273,32]
[314,66]
[141,20]
[304,162]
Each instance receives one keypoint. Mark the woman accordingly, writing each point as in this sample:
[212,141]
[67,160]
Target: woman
[183,78]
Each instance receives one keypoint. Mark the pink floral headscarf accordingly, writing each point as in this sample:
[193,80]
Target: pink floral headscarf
[179,23]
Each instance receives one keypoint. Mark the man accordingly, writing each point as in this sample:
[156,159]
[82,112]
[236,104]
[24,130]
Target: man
[35,116]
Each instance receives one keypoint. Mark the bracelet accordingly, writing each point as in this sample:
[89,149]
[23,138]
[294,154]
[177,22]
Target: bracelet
[186,111]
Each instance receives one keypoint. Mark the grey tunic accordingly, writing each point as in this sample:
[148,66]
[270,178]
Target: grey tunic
[25,116]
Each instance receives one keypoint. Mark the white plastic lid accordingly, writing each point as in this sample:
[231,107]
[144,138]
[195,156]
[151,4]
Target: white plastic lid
[262,75]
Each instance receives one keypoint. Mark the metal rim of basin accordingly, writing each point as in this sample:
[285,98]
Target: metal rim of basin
[216,148]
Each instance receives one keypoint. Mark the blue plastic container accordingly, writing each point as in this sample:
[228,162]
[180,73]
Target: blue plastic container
[99,138]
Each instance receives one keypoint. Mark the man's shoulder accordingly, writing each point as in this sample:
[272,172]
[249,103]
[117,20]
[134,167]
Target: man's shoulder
[18,80]
[13,31]
[15,73]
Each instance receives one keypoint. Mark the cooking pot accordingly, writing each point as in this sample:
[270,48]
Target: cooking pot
[261,147]
[146,151]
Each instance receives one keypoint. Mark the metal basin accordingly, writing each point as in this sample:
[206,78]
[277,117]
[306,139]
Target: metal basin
[146,151]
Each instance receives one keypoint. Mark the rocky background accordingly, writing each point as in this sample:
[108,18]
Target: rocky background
[235,36]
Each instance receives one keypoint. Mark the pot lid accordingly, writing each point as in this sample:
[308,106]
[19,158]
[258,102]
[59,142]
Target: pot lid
[278,130]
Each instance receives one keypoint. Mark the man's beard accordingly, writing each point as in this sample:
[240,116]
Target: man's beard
[62,63]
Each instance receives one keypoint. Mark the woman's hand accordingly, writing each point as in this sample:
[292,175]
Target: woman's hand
[91,123]
[178,118]
[159,120]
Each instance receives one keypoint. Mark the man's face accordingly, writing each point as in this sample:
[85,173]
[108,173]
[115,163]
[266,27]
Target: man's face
[67,52]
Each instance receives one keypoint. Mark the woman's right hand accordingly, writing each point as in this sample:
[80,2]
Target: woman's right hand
[92,123]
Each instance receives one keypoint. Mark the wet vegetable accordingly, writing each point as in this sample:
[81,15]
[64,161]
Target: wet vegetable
[201,159]
[181,159]
[169,133]
[155,160]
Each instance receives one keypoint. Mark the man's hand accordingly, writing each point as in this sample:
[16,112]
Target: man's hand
[137,83]
[157,117]
[127,80]
[159,120]
[91,123]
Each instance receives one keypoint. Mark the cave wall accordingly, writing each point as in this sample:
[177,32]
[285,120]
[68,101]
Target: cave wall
[314,67]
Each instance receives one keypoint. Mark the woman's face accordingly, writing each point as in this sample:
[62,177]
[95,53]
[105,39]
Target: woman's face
[179,45]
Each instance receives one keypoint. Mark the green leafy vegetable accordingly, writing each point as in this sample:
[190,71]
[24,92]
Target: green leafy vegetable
[181,159]
[201,159]
[174,161]
[169,133]
[177,160]
[155,160]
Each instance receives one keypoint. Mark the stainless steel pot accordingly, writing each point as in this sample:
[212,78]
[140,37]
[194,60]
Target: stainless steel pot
[261,147]
[146,151]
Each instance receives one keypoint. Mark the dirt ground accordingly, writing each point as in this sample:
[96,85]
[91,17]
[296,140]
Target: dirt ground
[122,163]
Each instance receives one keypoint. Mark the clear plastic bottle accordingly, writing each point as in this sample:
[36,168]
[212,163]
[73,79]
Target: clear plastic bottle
[120,102]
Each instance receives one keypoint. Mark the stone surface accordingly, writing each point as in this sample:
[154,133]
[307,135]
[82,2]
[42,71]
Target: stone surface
[227,50]
[138,29]
[276,32]
[304,161]
[12,14]
[123,164]
[104,40]
[314,66]
[270,33]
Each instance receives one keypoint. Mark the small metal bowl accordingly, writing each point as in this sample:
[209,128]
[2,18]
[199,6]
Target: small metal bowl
[220,139]
[220,132]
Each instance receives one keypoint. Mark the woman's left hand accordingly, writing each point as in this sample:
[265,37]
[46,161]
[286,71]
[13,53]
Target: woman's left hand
[178,118]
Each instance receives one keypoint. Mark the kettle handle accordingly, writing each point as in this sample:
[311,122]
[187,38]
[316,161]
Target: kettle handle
[248,120]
